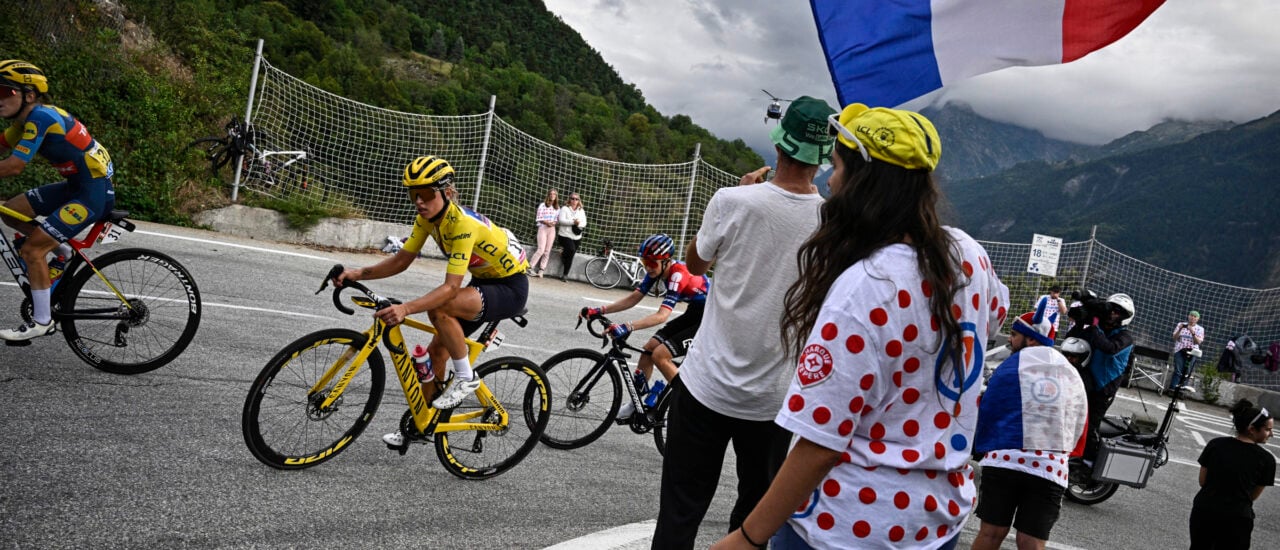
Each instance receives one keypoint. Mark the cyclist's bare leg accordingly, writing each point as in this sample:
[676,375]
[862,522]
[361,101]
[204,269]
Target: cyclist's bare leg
[666,362]
[20,204]
[465,305]
[33,252]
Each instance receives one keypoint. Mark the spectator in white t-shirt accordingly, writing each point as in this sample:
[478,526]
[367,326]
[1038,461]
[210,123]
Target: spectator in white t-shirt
[889,318]
[732,380]
[1054,306]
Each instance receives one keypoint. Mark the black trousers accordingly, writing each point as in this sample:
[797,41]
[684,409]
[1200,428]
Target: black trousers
[1099,402]
[569,249]
[1213,531]
[697,438]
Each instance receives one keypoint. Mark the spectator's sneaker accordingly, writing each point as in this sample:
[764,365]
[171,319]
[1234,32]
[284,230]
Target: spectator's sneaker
[27,331]
[456,392]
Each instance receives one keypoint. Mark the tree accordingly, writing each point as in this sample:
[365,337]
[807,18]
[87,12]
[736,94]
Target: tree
[458,51]
[437,49]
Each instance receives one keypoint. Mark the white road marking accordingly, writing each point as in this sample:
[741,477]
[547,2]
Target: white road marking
[611,538]
[1199,440]
[246,247]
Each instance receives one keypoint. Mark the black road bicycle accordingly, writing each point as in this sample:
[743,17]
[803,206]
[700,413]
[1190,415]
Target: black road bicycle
[588,389]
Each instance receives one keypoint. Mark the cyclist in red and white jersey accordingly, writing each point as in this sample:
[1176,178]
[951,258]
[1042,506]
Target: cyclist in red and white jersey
[673,339]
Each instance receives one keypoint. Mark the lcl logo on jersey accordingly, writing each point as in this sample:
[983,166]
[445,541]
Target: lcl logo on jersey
[953,380]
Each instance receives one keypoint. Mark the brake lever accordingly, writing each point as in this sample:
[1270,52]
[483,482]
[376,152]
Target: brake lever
[333,272]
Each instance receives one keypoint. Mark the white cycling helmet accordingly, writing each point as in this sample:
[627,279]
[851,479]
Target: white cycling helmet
[1125,304]
[1076,347]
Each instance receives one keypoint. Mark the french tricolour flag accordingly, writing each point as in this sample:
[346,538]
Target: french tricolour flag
[886,52]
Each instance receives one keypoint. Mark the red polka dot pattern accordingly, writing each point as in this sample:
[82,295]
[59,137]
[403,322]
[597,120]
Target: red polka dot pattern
[896,533]
[904,299]
[826,521]
[902,500]
[956,311]
[910,428]
[846,428]
[795,403]
[831,488]
[926,288]
[861,529]
[821,415]
[867,495]
[893,348]
[910,395]
[968,268]
[830,331]
[879,316]
[911,364]
[942,420]
[877,431]
[867,381]
[910,333]
[855,405]
[855,344]
[977,301]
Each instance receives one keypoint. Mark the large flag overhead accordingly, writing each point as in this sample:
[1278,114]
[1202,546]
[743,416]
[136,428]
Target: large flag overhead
[886,52]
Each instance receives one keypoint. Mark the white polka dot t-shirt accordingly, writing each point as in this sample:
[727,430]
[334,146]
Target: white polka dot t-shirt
[865,385]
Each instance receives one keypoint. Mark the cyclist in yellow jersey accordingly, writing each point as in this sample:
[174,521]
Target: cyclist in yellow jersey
[498,287]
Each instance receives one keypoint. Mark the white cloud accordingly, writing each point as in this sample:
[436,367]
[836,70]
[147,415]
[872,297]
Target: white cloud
[1192,59]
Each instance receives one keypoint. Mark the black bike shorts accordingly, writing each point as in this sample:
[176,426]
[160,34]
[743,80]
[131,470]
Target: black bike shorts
[678,334]
[499,299]
[1029,503]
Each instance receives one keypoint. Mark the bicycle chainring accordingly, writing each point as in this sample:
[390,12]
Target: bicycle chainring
[410,430]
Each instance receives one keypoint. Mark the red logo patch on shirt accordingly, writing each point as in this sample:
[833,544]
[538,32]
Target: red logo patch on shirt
[815,365]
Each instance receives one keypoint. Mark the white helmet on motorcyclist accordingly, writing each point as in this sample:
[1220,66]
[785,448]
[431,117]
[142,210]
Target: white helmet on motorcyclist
[1124,303]
[1076,347]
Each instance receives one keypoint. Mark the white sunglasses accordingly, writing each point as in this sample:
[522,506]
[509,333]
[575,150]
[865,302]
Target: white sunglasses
[833,122]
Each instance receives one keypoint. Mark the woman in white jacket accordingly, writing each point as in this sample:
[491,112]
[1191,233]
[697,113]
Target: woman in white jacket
[571,221]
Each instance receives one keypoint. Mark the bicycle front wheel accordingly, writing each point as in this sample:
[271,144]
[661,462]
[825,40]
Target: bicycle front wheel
[603,274]
[287,427]
[587,394]
[480,453]
[139,315]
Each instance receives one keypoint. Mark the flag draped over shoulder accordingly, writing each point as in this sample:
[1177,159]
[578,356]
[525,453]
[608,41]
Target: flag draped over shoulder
[1036,401]
[886,52]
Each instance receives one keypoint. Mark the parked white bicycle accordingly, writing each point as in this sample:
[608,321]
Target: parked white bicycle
[607,270]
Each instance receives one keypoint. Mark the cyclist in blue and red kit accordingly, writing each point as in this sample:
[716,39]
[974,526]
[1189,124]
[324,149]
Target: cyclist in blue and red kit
[673,339]
[69,206]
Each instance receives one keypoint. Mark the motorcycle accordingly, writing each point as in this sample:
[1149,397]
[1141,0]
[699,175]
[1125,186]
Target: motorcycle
[1127,455]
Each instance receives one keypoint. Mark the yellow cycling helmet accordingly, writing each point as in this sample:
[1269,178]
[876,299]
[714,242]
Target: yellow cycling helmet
[428,171]
[23,76]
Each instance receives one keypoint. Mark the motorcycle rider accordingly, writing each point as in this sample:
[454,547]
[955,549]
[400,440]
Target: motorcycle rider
[1105,327]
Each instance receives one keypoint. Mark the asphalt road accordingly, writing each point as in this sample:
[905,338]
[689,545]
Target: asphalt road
[94,460]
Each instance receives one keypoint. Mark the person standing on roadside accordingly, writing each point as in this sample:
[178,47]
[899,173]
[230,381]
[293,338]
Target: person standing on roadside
[546,217]
[1233,472]
[1032,416]
[732,381]
[889,317]
[1186,337]
[572,220]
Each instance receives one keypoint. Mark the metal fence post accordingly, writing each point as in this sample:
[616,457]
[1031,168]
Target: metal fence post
[248,110]
[484,153]
[1088,257]
[688,201]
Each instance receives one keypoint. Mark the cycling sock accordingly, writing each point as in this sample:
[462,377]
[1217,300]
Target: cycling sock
[40,301]
[462,369]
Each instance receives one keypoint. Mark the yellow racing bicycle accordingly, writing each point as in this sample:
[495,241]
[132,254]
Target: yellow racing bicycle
[315,397]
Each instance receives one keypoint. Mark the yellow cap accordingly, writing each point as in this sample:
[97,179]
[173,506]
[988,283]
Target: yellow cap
[895,136]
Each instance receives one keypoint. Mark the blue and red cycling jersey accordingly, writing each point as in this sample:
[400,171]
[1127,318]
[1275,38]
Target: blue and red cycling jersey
[63,140]
[682,286]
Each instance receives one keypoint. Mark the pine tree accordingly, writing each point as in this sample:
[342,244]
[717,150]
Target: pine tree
[437,48]
[459,49]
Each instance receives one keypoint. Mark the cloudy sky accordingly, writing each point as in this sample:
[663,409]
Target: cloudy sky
[709,59]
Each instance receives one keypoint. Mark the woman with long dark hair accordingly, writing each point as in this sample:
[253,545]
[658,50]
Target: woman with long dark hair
[1233,472]
[888,318]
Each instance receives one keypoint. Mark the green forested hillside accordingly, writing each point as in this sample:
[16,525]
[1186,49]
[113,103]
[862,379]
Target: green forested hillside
[147,76]
[1206,207]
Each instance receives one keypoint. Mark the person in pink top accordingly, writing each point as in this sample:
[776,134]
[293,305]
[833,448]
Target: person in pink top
[546,218]
[889,318]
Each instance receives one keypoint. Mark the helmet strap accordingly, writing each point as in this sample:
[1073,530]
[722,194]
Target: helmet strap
[436,219]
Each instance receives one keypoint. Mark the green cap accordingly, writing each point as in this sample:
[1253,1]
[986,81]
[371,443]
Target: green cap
[1195,314]
[803,134]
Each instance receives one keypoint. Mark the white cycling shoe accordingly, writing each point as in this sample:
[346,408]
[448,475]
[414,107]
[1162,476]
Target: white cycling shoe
[27,331]
[456,392]
[394,439]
